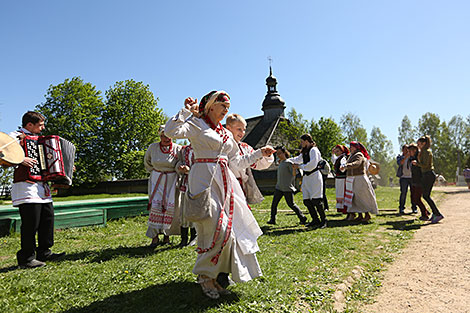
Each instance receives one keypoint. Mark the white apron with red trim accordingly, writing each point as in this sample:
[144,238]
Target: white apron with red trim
[161,165]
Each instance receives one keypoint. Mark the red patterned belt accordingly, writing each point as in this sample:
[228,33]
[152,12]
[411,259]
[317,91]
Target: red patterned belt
[224,167]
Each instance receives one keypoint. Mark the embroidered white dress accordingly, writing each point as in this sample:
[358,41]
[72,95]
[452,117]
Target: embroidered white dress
[161,162]
[237,238]
[312,185]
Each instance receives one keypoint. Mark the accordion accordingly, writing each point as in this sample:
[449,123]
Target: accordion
[55,158]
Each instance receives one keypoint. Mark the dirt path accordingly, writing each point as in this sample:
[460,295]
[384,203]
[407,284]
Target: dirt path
[433,272]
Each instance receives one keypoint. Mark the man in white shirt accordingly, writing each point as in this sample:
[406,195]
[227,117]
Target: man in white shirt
[33,198]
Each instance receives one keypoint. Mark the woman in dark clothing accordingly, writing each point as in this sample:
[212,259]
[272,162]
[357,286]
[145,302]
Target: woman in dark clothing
[425,162]
[416,183]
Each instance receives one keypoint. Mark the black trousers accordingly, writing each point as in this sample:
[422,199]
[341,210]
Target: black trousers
[325,200]
[315,206]
[428,180]
[289,196]
[36,218]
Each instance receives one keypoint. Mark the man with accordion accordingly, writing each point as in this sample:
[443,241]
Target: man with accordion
[31,194]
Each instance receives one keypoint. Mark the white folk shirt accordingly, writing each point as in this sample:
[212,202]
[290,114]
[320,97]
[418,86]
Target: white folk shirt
[29,192]
[260,164]
[312,185]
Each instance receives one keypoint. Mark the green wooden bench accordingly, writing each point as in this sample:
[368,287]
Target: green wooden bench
[79,213]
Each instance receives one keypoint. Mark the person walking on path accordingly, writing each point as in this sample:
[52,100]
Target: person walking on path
[404,173]
[285,187]
[425,162]
[416,183]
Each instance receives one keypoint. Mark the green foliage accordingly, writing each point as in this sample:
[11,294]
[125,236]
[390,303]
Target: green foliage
[353,129]
[73,111]
[326,134]
[380,150]
[406,132]
[292,129]
[459,133]
[6,177]
[132,119]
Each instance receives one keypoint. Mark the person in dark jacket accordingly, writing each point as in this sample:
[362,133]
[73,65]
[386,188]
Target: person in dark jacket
[416,183]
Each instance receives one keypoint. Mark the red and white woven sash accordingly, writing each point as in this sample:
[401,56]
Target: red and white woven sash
[225,176]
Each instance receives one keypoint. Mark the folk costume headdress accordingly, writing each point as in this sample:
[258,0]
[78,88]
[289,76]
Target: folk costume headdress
[212,98]
[343,149]
[359,146]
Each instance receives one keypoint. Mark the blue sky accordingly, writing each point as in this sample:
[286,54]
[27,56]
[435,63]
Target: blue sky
[377,59]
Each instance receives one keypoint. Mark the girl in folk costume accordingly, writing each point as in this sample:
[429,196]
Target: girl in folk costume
[312,182]
[359,196]
[236,124]
[341,152]
[227,239]
[160,161]
[186,161]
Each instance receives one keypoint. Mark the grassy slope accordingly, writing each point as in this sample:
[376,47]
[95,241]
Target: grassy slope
[110,269]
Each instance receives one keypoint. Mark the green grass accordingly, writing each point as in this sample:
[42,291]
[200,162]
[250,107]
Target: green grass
[110,269]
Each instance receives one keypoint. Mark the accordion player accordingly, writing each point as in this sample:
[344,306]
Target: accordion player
[55,158]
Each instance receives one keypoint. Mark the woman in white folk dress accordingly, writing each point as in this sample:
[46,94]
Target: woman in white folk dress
[227,241]
[160,161]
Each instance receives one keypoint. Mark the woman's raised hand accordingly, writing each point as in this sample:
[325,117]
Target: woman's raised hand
[191,105]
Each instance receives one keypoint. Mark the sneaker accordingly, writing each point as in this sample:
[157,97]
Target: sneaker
[32,264]
[322,225]
[303,220]
[424,218]
[272,222]
[414,211]
[50,257]
[436,219]
[401,212]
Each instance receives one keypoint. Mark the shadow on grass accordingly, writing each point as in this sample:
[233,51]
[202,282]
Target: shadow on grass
[404,225]
[169,297]
[109,254]
[286,230]
[9,269]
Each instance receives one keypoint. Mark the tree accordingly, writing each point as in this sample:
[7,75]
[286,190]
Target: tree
[406,132]
[444,154]
[459,131]
[429,124]
[380,149]
[353,129]
[73,111]
[326,134]
[292,129]
[132,120]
